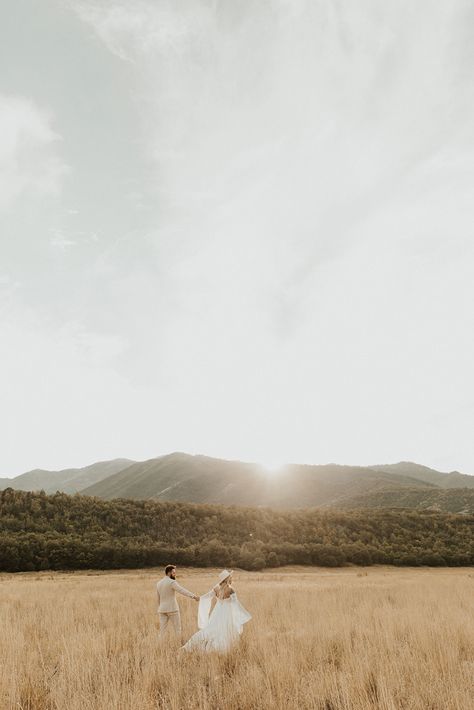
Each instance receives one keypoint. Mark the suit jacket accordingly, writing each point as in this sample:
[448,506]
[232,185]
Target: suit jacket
[166,589]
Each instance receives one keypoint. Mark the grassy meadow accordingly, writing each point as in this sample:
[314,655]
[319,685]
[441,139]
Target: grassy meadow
[353,638]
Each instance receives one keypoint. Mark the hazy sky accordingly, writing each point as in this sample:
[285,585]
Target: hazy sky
[243,228]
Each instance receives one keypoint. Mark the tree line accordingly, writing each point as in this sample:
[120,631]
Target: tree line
[60,531]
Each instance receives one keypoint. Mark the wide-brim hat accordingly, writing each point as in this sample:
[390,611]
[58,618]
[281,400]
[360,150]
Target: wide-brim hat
[223,575]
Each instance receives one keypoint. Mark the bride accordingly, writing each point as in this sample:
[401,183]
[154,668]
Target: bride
[221,629]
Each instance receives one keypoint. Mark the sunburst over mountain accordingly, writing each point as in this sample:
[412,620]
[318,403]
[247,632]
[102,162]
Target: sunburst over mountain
[202,479]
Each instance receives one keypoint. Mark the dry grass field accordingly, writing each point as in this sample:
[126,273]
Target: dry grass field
[349,638]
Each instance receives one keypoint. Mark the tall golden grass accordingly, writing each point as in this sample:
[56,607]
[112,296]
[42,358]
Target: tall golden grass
[352,638]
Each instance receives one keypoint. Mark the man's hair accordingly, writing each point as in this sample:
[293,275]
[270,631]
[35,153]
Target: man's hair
[168,568]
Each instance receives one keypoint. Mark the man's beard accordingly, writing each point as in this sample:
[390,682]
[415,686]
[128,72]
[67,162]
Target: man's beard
[172,575]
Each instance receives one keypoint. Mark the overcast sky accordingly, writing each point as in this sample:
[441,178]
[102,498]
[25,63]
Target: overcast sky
[239,228]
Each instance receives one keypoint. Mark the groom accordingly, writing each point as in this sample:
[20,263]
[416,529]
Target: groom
[168,608]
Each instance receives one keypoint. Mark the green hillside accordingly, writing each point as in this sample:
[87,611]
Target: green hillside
[68,480]
[201,479]
[454,479]
[454,500]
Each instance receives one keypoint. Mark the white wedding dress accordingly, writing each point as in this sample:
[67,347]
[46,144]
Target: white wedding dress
[221,629]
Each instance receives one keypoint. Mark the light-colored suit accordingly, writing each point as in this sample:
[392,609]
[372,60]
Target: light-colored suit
[168,608]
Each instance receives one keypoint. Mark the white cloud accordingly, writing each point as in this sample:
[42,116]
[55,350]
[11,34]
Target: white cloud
[130,31]
[60,241]
[28,151]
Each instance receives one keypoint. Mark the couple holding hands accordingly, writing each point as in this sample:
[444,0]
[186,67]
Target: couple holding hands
[218,629]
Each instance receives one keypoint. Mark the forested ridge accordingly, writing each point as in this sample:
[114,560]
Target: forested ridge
[452,500]
[210,481]
[40,531]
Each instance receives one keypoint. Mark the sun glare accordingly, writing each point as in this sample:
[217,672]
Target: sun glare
[272,466]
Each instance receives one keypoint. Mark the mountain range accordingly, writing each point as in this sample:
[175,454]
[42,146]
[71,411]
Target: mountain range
[202,479]
[68,480]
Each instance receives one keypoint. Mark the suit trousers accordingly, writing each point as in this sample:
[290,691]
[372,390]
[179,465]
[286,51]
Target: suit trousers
[167,618]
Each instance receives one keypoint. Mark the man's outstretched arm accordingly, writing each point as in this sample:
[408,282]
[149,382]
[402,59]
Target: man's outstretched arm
[181,590]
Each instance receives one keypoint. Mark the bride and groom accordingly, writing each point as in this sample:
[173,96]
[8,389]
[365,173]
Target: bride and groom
[220,628]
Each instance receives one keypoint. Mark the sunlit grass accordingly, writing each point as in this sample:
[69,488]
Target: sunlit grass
[352,638]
